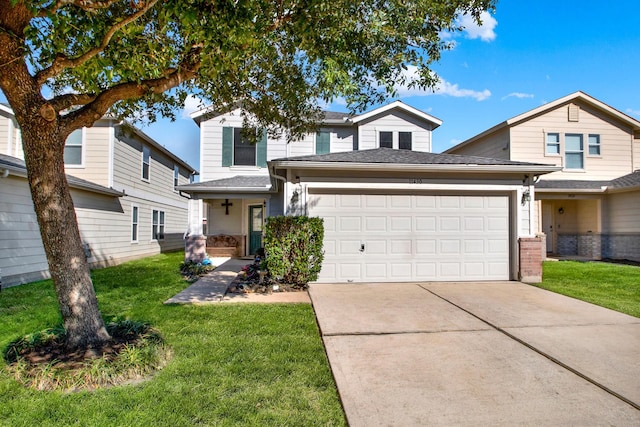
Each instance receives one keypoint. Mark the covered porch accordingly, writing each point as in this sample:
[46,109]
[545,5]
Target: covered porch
[227,216]
[571,215]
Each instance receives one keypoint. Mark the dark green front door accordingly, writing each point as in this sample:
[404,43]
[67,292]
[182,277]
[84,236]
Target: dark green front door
[255,228]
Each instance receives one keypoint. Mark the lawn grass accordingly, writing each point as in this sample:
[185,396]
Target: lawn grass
[614,286]
[241,364]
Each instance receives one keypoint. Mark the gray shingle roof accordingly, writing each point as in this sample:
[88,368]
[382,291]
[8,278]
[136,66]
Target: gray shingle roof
[571,184]
[238,182]
[626,181]
[408,157]
[19,166]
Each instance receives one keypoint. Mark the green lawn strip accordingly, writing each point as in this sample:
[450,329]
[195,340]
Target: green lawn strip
[614,286]
[235,364]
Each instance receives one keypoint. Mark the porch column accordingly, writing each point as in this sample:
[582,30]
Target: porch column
[531,249]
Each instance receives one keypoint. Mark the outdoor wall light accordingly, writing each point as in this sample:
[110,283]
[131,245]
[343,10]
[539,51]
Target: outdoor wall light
[526,197]
[561,211]
[294,197]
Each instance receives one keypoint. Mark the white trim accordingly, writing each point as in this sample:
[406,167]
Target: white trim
[495,188]
[142,163]
[112,150]
[161,213]
[83,149]
[402,106]
[137,239]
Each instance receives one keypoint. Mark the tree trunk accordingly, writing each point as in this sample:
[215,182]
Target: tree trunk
[44,155]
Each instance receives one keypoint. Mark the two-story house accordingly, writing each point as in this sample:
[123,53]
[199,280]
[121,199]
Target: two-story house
[393,211]
[590,207]
[123,185]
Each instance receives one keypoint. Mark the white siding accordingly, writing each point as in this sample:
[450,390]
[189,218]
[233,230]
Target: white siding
[22,257]
[395,121]
[95,146]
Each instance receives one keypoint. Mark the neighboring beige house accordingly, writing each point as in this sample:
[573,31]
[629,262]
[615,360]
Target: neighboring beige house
[393,211]
[123,186]
[589,208]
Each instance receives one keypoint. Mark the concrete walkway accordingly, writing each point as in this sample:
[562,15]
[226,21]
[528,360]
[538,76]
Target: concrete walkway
[212,288]
[500,353]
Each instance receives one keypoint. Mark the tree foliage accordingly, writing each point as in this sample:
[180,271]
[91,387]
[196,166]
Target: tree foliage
[66,63]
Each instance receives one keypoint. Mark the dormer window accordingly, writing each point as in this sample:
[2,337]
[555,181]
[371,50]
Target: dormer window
[397,140]
[386,139]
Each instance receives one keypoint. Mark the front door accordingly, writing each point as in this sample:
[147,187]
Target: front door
[547,224]
[255,228]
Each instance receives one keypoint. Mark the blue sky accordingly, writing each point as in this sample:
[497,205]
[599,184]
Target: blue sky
[525,54]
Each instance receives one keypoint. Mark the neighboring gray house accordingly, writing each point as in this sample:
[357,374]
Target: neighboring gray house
[591,205]
[392,210]
[123,187]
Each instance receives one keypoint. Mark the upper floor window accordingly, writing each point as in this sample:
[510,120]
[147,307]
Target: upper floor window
[386,139]
[176,175]
[553,143]
[323,142]
[146,162]
[594,145]
[73,149]
[238,151]
[573,151]
[404,140]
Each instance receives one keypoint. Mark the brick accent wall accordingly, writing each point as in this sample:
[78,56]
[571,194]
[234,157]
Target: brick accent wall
[531,249]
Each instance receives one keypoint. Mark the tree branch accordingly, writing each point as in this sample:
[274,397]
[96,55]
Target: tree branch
[82,4]
[62,61]
[100,103]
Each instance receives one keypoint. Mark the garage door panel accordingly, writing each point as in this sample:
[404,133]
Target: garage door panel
[426,246]
[375,223]
[449,224]
[376,247]
[425,224]
[409,237]
[450,246]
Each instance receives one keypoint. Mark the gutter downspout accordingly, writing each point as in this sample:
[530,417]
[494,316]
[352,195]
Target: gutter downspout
[4,173]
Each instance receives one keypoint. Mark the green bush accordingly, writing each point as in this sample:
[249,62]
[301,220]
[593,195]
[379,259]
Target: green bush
[293,245]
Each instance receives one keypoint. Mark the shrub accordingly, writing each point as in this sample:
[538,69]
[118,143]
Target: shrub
[293,246]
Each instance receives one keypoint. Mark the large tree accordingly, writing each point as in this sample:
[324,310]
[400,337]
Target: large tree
[66,63]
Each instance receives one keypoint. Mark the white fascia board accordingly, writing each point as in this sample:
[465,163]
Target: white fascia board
[494,188]
[6,109]
[571,190]
[401,105]
[461,168]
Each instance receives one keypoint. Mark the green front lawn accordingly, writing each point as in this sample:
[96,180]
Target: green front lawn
[613,286]
[232,365]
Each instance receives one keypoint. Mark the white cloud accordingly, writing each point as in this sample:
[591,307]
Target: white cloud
[518,95]
[443,87]
[633,112]
[472,30]
[191,104]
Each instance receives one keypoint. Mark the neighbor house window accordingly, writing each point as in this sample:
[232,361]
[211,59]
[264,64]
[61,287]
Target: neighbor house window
[594,145]
[73,149]
[386,139]
[134,223]
[323,141]
[238,151]
[553,143]
[157,226]
[573,151]
[404,140]
[176,175]
[146,162]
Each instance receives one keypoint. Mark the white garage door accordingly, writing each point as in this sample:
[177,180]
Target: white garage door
[399,238]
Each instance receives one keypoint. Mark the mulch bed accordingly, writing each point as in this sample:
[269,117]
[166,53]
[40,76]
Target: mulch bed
[249,281]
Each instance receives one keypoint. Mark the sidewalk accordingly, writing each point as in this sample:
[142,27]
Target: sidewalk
[212,288]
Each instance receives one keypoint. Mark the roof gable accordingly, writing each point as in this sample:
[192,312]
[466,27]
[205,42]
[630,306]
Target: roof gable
[578,96]
[399,105]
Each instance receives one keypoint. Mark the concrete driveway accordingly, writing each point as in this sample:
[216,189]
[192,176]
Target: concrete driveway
[488,353]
